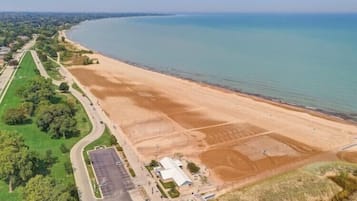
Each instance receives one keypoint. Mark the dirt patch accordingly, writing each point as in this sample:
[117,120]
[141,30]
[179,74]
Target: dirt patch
[254,155]
[234,131]
[348,156]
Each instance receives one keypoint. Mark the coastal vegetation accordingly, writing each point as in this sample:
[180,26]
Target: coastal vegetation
[333,181]
[41,150]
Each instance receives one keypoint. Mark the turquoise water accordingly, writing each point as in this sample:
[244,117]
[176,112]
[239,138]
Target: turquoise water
[302,59]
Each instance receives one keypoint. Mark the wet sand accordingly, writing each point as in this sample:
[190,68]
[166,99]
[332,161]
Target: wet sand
[234,135]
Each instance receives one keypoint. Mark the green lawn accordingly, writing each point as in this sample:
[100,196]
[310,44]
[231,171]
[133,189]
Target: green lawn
[38,141]
[52,69]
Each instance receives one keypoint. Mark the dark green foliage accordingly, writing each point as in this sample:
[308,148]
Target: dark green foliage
[192,167]
[46,189]
[15,116]
[113,140]
[174,193]
[64,87]
[64,149]
[58,121]
[168,185]
[132,173]
[154,163]
[16,161]
[68,167]
[38,90]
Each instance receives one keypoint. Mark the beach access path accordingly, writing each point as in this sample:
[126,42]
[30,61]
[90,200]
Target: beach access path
[79,168]
[97,115]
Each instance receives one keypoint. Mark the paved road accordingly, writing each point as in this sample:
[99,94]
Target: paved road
[9,71]
[142,176]
[80,174]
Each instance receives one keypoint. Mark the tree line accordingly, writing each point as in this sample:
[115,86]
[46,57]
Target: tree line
[53,116]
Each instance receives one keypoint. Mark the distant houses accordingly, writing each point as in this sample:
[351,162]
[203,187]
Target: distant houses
[3,52]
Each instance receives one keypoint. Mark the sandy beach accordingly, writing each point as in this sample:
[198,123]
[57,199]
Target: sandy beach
[234,135]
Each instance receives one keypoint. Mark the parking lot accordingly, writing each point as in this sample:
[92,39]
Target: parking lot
[113,179]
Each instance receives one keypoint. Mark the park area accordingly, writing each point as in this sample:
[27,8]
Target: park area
[41,142]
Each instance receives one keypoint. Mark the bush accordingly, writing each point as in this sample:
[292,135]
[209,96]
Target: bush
[174,193]
[119,148]
[113,140]
[15,116]
[193,167]
[132,173]
[64,87]
[64,149]
[154,163]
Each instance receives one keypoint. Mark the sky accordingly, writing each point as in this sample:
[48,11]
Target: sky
[180,5]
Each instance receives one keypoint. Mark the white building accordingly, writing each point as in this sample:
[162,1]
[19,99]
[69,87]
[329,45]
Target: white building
[171,170]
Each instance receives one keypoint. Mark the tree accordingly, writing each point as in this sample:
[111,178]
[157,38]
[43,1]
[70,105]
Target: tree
[38,90]
[193,167]
[16,161]
[64,87]
[154,163]
[58,121]
[41,188]
[15,116]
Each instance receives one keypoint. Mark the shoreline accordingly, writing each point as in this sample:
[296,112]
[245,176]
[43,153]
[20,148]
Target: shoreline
[162,114]
[334,116]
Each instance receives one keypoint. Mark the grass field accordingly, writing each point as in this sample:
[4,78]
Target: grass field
[38,141]
[52,69]
[309,183]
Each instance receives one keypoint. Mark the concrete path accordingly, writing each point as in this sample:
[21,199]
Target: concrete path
[80,172]
[143,177]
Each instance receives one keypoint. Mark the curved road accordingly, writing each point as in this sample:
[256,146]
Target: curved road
[80,174]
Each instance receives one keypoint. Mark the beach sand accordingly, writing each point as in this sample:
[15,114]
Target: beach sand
[235,136]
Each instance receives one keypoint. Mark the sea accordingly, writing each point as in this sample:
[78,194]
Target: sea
[307,60]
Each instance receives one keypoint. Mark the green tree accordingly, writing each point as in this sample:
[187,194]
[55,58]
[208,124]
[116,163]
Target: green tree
[15,116]
[58,121]
[192,167]
[16,161]
[41,188]
[64,87]
[38,90]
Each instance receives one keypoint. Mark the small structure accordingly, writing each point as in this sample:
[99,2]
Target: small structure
[4,51]
[208,197]
[171,170]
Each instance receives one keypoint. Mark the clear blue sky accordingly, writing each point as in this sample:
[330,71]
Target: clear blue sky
[180,5]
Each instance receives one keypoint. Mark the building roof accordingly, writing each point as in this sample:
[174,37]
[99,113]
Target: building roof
[173,171]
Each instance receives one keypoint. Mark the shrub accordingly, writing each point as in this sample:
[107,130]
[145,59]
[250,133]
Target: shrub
[64,149]
[154,163]
[113,140]
[193,167]
[64,87]
[174,193]
[132,173]
[15,116]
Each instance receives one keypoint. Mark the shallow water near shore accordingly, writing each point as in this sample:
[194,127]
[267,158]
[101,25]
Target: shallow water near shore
[302,59]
